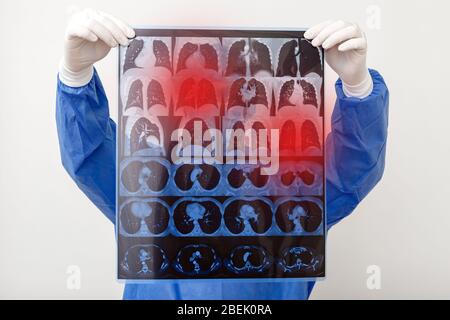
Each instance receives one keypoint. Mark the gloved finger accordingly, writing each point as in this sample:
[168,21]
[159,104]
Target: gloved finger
[115,30]
[82,33]
[102,33]
[341,36]
[353,44]
[312,32]
[126,29]
[327,31]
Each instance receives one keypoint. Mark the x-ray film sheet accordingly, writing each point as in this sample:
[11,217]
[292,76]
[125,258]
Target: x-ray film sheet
[220,168]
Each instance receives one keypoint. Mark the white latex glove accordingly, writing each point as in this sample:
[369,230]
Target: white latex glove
[90,35]
[345,48]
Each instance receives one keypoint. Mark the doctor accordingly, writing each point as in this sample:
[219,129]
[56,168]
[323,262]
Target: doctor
[356,146]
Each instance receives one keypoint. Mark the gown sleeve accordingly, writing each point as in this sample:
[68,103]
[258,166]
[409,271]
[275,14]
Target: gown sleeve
[355,148]
[87,141]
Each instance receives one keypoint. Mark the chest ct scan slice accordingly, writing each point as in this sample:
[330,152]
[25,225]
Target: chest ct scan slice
[203,116]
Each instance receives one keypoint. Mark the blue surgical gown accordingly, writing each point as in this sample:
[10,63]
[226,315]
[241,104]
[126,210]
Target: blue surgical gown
[356,150]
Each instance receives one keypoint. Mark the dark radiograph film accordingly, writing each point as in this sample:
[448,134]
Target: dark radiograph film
[220,156]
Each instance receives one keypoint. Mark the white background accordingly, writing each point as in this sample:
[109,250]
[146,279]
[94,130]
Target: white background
[47,224]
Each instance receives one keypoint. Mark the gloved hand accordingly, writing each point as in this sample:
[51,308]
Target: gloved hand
[346,50]
[90,35]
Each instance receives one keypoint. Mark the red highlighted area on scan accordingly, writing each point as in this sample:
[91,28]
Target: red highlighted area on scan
[221,137]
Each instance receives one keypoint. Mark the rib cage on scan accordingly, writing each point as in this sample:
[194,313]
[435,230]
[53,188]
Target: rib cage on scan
[248,57]
[247,259]
[147,59]
[208,217]
[141,176]
[198,53]
[188,218]
[297,57]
